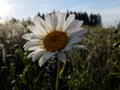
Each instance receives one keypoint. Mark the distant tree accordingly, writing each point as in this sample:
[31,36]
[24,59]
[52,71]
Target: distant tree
[99,19]
[39,14]
[53,12]
[94,20]
[118,26]
[76,15]
[91,20]
[13,20]
[43,16]
[67,13]
[85,18]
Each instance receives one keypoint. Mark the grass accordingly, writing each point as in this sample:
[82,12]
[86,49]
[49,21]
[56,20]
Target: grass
[97,68]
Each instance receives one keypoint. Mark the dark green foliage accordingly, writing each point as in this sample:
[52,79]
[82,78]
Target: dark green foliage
[96,68]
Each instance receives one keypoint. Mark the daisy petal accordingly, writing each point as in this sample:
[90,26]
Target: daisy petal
[35,54]
[61,19]
[69,52]
[62,56]
[48,20]
[35,30]
[44,58]
[33,48]
[31,44]
[79,33]
[78,26]
[51,21]
[41,24]
[32,53]
[71,26]
[75,26]
[79,47]
[54,21]
[74,40]
[32,37]
[67,48]
[68,21]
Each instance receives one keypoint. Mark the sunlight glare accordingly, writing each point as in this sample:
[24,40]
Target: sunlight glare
[5,8]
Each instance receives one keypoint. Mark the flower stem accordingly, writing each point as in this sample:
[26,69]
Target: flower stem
[60,69]
[57,76]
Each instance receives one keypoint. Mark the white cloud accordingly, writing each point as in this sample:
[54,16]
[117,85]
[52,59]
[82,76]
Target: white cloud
[43,5]
[5,8]
[110,13]
[110,16]
[109,10]
[114,2]
[83,7]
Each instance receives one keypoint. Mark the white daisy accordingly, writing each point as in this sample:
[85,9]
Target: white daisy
[55,35]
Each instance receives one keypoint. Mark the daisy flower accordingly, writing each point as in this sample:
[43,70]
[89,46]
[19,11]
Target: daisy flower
[55,35]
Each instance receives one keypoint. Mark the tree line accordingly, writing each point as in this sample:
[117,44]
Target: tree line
[90,20]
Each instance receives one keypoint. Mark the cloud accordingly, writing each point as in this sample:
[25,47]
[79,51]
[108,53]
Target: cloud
[5,8]
[110,16]
[43,5]
[108,9]
[110,13]
[114,2]
[83,7]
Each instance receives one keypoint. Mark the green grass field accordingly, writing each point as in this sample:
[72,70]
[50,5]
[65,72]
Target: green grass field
[96,68]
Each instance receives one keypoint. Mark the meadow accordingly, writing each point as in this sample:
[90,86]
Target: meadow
[95,68]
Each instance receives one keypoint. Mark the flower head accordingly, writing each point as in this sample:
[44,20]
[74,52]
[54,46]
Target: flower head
[54,35]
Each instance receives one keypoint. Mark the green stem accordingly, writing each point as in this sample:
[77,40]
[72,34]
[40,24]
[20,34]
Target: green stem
[60,69]
[57,76]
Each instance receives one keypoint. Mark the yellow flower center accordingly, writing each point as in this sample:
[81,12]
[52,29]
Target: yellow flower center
[55,40]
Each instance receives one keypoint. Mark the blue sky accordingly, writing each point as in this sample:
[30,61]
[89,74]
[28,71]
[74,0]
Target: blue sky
[109,9]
